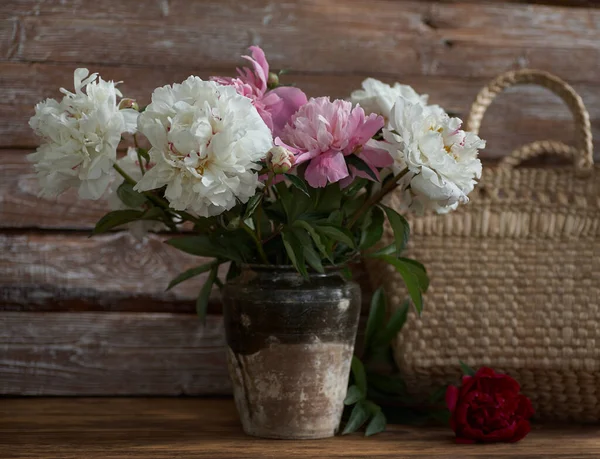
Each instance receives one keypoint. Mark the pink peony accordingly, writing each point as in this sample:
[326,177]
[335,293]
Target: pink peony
[275,106]
[325,132]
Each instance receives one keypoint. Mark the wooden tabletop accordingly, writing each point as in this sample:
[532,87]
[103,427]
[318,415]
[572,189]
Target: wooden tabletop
[161,428]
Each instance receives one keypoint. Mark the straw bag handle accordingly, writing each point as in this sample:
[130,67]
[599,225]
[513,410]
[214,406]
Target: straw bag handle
[581,154]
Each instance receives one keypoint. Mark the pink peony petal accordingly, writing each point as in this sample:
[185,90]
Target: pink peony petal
[376,157]
[329,166]
[293,99]
[261,68]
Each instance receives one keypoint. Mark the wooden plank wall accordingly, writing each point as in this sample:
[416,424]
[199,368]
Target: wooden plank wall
[90,316]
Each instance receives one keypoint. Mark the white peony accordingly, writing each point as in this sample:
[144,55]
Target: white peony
[378,97]
[206,142]
[131,166]
[441,158]
[81,134]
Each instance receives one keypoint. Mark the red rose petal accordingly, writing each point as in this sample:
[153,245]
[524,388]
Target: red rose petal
[451,397]
[521,431]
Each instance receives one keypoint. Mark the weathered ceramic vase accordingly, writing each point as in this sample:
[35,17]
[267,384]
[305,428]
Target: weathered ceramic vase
[290,343]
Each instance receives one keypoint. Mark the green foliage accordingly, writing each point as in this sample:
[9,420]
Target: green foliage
[204,295]
[192,272]
[359,374]
[298,183]
[376,319]
[466,369]
[358,416]
[414,276]
[337,234]
[129,196]
[121,217]
[377,423]
[359,164]
[400,227]
[353,395]
[378,393]
[371,228]
[295,251]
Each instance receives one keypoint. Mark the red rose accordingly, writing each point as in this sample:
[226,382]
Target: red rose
[488,408]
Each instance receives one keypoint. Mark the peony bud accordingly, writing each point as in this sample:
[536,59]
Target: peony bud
[273,80]
[129,103]
[280,160]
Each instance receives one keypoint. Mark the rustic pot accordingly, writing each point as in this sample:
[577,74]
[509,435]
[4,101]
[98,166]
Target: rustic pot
[290,343]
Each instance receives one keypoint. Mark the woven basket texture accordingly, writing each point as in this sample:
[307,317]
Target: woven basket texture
[515,275]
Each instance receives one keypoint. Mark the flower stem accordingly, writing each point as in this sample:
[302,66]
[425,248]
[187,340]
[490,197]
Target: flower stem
[385,189]
[124,174]
[259,247]
[137,151]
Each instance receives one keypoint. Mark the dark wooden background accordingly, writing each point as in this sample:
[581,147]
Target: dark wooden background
[90,316]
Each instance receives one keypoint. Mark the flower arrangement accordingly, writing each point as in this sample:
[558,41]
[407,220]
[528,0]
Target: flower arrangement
[259,172]
[263,174]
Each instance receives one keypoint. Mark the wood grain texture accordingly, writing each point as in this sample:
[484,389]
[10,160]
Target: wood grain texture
[111,272]
[209,428]
[409,37]
[105,353]
[111,353]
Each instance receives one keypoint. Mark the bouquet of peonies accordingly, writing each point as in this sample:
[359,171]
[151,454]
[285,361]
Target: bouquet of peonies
[263,175]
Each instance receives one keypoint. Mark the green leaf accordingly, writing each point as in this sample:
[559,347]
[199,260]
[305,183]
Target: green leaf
[358,417]
[419,271]
[376,316]
[295,252]
[315,237]
[313,259]
[129,196]
[353,395]
[329,198]
[202,224]
[376,424]
[466,369]
[387,250]
[117,218]
[205,246]
[356,186]
[335,218]
[204,296]
[372,228]
[192,272]
[413,281]
[298,183]
[400,227]
[361,165]
[386,384]
[337,234]
[285,198]
[438,395]
[359,374]
[143,153]
[393,326]
[252,204]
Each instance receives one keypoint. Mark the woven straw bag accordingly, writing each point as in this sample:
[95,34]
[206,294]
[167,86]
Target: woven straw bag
[515,274]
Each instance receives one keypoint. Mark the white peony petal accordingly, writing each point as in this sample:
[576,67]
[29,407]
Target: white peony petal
[205,141]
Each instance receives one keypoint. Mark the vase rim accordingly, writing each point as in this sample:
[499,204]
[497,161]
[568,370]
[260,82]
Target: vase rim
[290,268]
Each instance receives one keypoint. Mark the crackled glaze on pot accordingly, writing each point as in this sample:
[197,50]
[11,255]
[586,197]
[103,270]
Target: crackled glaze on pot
[290,345]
